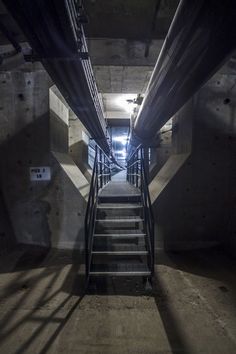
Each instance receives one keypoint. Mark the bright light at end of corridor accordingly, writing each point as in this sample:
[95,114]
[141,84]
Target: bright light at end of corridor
[121,153]
[125,102]
[120,139]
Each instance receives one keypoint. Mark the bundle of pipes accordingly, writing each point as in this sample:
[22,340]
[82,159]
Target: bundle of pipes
[55,32]
[201,37]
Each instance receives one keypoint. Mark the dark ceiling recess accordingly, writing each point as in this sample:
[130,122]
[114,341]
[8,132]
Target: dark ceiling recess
[9,36]
[152,28]
[8,24]
[132,19]
[120,122]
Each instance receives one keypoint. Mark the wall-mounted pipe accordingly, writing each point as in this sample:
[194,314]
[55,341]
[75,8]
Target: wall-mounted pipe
[201,37]
[54,31]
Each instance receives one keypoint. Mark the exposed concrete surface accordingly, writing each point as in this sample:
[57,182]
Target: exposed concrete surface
[165,175]
[161,153]
[67,204]
[78,145]
[24,143]
[192,308]
[122,79]
[120,51]
[197,206]
[7,239]
[73,173]
[119,19]
[34,122]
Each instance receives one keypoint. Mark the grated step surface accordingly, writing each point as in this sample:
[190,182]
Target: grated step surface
[120,269]
[119,249]
[119,206]
[120,235]
[122,219]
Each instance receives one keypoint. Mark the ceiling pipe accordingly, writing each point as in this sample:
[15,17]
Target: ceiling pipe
[201,37]
[55,32]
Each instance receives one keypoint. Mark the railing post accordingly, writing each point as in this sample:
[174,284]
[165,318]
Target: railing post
[133,170]
[109,170]
[146,162]
[104,169]
[138,166]
[141,170]
[136,170]
[100,165]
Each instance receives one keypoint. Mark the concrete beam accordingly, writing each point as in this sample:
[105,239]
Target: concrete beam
[123,52]
[122,79]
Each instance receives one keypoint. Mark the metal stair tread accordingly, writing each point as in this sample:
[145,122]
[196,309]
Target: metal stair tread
[119,198]
[120,219]
[119,206]
[128,235]
[120,269]
[119,249]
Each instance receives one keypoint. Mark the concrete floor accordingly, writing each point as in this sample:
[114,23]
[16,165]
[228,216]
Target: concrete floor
[192,308]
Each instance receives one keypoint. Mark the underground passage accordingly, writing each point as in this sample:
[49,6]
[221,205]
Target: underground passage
[117,177]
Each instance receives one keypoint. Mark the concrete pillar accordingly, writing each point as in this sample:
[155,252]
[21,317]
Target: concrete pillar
[44,208]
[193,194]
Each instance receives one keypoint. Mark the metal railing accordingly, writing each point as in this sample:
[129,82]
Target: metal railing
[137,175]
[100,177]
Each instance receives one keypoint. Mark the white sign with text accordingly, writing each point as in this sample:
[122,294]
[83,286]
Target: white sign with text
[40,173]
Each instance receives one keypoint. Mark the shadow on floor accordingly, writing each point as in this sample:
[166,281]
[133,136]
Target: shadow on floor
[34,266]
[213,263]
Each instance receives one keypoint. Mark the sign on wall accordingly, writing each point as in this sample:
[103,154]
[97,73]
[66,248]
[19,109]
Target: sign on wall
[40,173]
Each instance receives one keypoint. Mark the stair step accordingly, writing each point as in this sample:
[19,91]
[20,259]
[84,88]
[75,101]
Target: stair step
[122,220]
[120,270]
[119,206]
[119,249]
[120,198]
[121,235]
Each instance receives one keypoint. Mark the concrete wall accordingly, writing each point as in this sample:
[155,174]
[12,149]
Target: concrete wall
[48,213]
[7,239]
[160,154]
[195,207]
[24,143]
[78,145]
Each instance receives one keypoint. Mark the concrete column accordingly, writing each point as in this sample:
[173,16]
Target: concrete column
[193,194]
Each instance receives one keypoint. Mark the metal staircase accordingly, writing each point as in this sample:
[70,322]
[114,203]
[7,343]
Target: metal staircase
[119,223]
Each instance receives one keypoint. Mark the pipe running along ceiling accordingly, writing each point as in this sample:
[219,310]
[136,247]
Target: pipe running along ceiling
[201,37]
[55,33]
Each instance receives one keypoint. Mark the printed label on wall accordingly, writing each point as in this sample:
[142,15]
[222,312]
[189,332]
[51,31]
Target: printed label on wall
[40,173]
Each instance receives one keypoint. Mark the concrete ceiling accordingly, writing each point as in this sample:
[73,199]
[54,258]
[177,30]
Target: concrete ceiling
[122,51]
[124,40]
[131,19]
[122,79]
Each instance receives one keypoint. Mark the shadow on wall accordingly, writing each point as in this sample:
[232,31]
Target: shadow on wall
[59,138]
[27,209]
[79,154]
[7,237]
[46,213]
[200,199]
